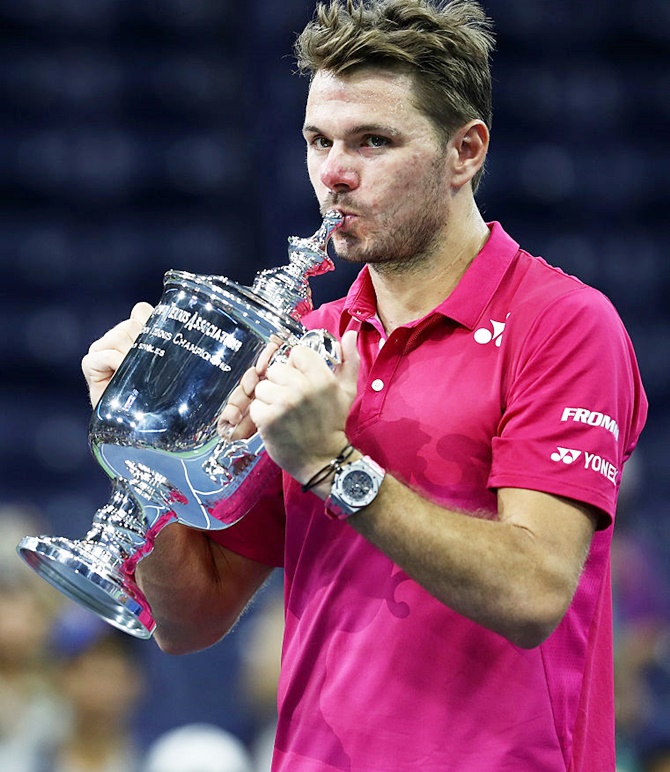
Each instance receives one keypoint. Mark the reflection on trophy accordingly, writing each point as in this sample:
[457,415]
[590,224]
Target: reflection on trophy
[154,431]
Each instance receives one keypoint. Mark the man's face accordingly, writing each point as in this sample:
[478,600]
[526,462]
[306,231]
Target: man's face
[373,156]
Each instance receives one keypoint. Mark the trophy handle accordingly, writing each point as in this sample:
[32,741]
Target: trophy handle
[320,341]
[239,463]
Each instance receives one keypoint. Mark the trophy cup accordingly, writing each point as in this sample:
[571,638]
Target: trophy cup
[155,429]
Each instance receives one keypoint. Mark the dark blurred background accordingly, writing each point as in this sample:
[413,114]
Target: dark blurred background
[142,135]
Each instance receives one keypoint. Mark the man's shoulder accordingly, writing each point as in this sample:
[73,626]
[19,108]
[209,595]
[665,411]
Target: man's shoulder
[538,281]
[327,316]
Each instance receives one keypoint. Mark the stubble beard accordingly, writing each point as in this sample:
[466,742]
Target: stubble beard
[399,249]
[398,246]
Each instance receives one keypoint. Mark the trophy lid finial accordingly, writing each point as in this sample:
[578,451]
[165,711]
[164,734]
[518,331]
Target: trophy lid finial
[286,288]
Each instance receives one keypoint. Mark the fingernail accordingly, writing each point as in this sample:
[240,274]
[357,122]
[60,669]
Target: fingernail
[225,429]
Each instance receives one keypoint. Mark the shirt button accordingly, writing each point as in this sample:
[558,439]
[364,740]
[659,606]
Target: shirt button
[377,384]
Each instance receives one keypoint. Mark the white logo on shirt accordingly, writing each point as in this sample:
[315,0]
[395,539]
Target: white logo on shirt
[591,461]
[484,335]
[592,418]
[566,455]
[599,464]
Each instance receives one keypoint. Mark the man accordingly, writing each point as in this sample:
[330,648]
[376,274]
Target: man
[448,607]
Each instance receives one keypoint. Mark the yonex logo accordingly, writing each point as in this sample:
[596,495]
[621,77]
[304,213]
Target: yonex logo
[591,461]
[566,455]
[599,464]
[483,335]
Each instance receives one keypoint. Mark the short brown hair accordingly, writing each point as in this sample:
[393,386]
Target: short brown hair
[445,46]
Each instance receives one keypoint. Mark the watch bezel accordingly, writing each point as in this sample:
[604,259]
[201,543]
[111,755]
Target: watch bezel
[340,504]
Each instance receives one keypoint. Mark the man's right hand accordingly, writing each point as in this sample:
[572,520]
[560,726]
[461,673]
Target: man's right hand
[106,354]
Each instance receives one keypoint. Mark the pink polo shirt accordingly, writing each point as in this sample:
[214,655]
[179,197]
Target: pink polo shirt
[523,377]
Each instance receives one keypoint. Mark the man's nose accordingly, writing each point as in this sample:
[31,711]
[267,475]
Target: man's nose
[339,171]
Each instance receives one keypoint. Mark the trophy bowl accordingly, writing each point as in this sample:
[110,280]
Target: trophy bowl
[155,430]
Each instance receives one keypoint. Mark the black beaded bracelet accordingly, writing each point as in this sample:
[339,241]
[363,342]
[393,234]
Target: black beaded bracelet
[329,469]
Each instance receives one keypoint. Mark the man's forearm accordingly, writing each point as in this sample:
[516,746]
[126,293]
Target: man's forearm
[514,572]
[196,589]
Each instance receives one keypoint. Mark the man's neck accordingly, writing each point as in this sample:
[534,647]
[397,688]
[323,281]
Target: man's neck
[404,296]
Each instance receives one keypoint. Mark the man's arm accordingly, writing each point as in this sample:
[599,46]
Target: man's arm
[514,572]
[196,588]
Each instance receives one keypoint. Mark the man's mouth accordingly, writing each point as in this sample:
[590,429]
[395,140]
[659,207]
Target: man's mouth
[348,218]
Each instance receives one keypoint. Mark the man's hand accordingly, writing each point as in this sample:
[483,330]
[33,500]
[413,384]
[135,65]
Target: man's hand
[301,408]
[106,354]
[235,422]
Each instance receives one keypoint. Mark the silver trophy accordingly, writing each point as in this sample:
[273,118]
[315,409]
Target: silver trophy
[155,431]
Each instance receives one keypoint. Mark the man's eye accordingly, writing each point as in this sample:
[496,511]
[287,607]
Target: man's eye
[320,143]
[374,140]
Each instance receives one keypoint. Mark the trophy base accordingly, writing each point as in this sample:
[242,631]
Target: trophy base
[76,569]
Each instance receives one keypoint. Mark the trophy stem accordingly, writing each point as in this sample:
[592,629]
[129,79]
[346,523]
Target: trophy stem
[97,572]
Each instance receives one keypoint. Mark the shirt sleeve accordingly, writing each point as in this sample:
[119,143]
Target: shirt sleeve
[573,403]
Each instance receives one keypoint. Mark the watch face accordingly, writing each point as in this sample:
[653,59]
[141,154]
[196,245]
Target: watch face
[356,485]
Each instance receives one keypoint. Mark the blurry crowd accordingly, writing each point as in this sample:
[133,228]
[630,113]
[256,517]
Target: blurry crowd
[73,688]
[642,638]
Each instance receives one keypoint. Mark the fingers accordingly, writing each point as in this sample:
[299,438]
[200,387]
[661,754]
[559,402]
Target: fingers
[301,359]
[141,313]
[238,401]
[240,428]
[235,421]
[267,354]
[305,377]
[301,410]
[98,368]
[347,372]
[311,364]
[119,338]
[99,365]
[106,354]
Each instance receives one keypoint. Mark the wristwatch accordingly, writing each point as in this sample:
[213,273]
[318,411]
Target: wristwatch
[355,485]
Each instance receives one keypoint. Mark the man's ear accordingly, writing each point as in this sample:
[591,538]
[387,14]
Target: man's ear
[468,149]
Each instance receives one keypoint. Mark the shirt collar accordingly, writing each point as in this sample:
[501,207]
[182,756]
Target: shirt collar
[472,293]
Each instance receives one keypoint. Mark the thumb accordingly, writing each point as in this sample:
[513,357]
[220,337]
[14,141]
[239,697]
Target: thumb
[141,312]
[347,372]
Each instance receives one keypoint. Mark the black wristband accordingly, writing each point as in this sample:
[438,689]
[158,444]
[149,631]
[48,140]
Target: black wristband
[329,469]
